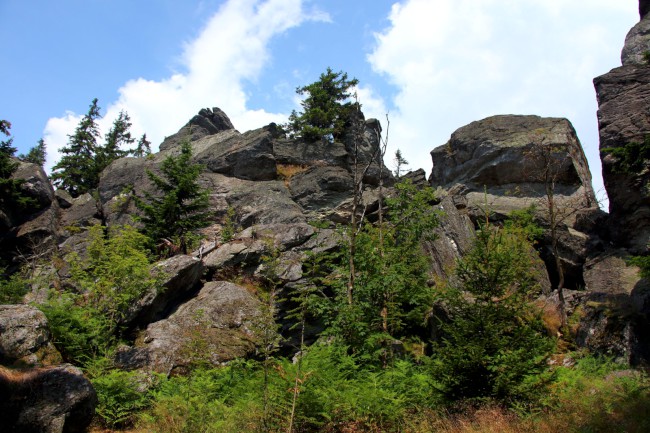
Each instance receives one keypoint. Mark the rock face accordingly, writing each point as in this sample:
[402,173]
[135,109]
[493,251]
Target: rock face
[500,162]
[223,322]
[52,400]
[623,101]
[615,304]
[206,122]
[25,337]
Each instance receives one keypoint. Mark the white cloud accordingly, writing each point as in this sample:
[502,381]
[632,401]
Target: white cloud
[456,61]
[231,49]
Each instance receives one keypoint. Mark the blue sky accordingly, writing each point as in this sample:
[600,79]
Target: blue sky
[435,65]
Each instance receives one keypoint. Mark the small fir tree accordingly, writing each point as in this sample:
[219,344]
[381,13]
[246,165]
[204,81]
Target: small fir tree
[36,155]
[144,147]
[400,162]
[324,111]
[181,205]
[494,344]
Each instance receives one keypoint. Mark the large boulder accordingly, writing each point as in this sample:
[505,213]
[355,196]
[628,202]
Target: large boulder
[36,184]
[223,322]
[206,122]
[48,400]
[182,275]
[321,187]
[644,8]
[499,162]
[25,337]
[623,103]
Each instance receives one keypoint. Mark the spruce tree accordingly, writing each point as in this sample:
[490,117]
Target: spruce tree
[494,344]
[12,197]
[76,171]
[324,111]
[118,136]
[36,155]
[181,205]
[144,147]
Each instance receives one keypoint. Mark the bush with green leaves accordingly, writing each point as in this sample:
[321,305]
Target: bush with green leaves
[494,344]
[115,272]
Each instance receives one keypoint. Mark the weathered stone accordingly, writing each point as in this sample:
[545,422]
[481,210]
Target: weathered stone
[637,44]
[615,309]
[499,163]
[49,400]
[417,178]
[221,323]
[454,237]
[321,187]
[84,212]
[624,100]
[182,275]
[25,337]
[244,156]
[301,153]
[206,122]
[36,184]
[64,198]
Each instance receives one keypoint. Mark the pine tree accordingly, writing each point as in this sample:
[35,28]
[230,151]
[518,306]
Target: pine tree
[181,205]
[324,115]
[400,161]
[12,197]
[144,147]
[36,155]
[118,136]
[76,171]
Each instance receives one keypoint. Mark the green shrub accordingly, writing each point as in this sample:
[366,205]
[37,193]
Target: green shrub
[12,288]
[121,395]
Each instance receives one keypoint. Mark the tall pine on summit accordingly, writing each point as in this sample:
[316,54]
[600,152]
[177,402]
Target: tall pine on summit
[324,112]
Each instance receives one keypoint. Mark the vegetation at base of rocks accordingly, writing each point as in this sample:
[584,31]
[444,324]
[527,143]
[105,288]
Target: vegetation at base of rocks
[643,262]
[325,111]
[229,226]
[389,297]
[494,345]
[87,321]
[12,288]
[180,204]
[122,395]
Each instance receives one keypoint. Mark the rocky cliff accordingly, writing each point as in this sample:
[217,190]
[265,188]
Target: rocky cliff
[285,197]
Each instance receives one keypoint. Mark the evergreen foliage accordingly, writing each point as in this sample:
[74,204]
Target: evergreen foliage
[36,155]
[76,171]
[494,345]
[84,158]
[144,147]
[181,205]
[324,110]
[400,162]
[117,137]
[12,197]
[391,295]
[12,288]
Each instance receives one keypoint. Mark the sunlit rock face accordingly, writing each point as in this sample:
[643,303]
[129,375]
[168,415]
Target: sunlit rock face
[501,163]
